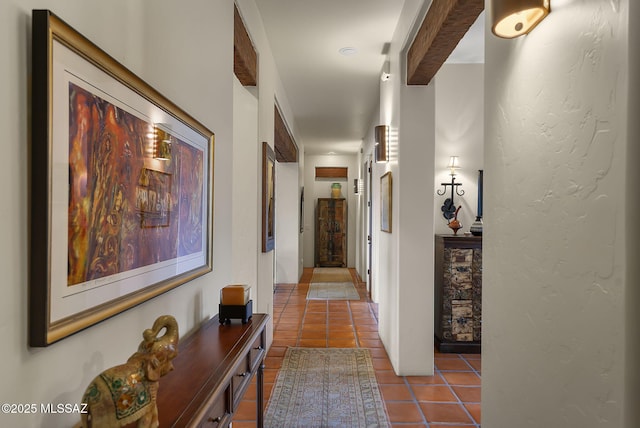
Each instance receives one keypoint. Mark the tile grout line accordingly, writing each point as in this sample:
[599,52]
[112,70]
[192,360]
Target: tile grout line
[466,361]
[472,368]
[284,306]
[282,310]
[416,402]
[460,402]
[326,324]
[353,325]
[300,327]
[293,306]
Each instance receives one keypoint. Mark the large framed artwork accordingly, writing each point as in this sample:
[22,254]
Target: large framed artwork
[385,202]
[268,198]
[121,187]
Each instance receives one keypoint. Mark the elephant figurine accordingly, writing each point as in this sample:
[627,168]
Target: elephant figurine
[127,393]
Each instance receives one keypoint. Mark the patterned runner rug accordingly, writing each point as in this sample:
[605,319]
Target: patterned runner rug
[332,291]
[326,387]
[331,275]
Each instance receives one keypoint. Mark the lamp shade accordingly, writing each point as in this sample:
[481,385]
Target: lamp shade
[513,18]
[454,163]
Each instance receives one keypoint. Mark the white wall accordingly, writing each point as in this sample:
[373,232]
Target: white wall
[403,259]
[200,80]
[287,223]
[632,294]
[269,91]
[361,230]
[365,213]
[321,188]
[555,332]
[459,132]
[61,372]
[266,99]
[247,165]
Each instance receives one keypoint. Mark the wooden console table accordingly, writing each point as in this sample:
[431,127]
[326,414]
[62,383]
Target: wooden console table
[212,371]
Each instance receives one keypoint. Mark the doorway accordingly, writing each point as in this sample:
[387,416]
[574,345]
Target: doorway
[369,223]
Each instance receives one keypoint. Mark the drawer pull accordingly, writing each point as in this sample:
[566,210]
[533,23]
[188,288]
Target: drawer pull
[215,420]
[258,348]
[243,374]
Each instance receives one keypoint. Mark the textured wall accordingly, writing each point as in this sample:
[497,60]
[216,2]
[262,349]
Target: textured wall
[459,132]
[133,32]
[632,295]
[287,223]
[404,258]
[321,188]
[554,286]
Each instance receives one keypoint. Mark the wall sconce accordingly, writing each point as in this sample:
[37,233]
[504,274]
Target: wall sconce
[162,149]
[513,18]
[449,208]
[358,186]
[382,146]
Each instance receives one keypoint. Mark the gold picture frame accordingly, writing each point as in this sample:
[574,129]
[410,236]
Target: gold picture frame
[268,198]
[121,187]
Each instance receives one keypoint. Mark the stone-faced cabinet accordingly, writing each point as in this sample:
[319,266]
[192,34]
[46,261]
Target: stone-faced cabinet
[458,293]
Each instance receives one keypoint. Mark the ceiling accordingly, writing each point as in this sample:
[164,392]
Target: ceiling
[333,96]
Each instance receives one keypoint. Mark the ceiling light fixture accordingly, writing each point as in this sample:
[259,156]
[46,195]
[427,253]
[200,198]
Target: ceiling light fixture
[513,18]
[348,51]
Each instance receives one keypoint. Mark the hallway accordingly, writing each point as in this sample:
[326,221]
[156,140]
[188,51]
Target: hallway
[450,398]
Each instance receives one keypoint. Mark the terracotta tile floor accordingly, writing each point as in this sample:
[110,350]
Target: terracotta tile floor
[450,398]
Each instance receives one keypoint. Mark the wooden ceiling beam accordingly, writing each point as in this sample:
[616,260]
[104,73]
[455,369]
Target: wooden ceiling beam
[285,147]
[332,172]
[446,22]
[245,57]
